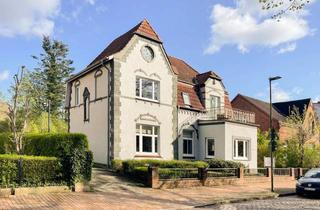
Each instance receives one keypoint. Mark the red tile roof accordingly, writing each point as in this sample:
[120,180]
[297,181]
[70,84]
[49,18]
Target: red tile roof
[185,72]
[143,29]
[191,91]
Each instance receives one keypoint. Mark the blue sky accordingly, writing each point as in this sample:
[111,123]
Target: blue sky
[233,38]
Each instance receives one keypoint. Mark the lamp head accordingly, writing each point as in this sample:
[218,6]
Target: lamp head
[274,78]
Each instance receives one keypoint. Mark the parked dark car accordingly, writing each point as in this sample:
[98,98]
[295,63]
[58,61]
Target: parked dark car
[309,183]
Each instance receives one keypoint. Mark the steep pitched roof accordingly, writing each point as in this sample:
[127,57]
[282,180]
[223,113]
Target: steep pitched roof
[263,106]
[286,107]
[191,91]
[185,72]
[202,78]
[143,29]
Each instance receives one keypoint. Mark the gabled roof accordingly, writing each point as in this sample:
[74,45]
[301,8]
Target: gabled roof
[185,72]
[263,106]
[191,91]
[143,29]
[285,108]
[202,78]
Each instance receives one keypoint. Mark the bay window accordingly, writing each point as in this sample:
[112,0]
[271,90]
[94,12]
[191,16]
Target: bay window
[147,137]
[147,89]
[241,149]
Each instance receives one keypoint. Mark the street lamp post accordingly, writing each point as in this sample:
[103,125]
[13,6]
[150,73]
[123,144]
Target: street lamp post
[271,130]
[48,106]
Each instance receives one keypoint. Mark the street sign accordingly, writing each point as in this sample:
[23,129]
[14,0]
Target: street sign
[267,162]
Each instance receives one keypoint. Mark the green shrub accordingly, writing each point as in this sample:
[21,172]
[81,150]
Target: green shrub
[218,163]
[117,166]
[71,149]
[35,171]
[129,165]
[140,174]
[6,146]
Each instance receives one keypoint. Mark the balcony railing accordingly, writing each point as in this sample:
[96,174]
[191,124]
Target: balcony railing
[236,115]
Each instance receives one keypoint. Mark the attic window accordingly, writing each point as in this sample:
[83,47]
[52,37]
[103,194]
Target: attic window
[213,81]
[186,99]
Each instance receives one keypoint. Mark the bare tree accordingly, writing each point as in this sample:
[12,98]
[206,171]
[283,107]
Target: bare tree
[19,108]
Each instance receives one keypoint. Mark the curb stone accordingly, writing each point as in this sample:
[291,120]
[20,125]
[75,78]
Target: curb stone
[238,200]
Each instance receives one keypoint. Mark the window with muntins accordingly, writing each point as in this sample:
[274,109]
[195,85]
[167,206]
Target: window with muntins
[241,149]
[86,104]
[147,139]
[147,89]
[77,93]
[210,147]
[187,143]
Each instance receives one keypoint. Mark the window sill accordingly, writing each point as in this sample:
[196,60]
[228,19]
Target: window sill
[244,159]
[148,100]
[147,156]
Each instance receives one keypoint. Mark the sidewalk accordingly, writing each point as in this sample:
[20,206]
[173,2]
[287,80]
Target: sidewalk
[114,192]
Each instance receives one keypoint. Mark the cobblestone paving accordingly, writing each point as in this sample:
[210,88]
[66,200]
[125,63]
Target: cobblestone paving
[291,202]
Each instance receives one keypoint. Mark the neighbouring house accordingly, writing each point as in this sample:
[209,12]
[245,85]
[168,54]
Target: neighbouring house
[280,111]
[135,101]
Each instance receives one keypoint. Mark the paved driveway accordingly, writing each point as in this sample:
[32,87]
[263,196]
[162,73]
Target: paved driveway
[113,192]
[290,202]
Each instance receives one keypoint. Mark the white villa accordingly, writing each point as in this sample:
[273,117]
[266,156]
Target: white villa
[135,101]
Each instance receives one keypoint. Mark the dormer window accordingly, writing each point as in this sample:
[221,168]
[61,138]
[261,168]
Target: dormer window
[186,99]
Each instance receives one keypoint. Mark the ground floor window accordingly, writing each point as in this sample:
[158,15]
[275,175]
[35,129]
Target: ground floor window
[147,137]
[210,147]
[188,143]
[241,149]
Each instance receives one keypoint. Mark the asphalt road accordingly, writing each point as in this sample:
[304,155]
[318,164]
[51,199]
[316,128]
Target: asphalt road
[290,202]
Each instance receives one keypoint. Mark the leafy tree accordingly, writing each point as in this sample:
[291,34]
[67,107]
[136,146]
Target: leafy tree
[39,124]
[263,147]
[49,77]
[302,131]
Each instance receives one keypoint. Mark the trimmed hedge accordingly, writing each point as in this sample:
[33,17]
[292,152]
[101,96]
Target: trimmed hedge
[129,165]
[71,149]
[34,171]
[219,163]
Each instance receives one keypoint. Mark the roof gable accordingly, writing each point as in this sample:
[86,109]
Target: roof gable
[285,108]
[143,29]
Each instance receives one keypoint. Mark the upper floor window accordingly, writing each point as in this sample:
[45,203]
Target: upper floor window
[98,83]
[241,149]
[77,93]
[147,89]
[188,143]
[147,137]
[86,104]
[186,99]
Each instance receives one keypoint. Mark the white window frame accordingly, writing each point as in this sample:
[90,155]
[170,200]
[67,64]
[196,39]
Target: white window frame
[77,94]
[97,75]
[214,141]
[246,149]
[153,136]
[192,143]
[186,99]
[153,89]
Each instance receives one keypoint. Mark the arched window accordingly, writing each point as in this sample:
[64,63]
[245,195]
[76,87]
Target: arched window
[86,104]
[77,92]
[98,84]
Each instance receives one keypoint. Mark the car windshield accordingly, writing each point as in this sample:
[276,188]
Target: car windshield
[313,174]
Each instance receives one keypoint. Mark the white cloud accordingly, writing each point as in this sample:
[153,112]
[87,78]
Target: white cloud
[28,17]
[279,94]
[288,48]
[247,25]
[92,2]
[4,75]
